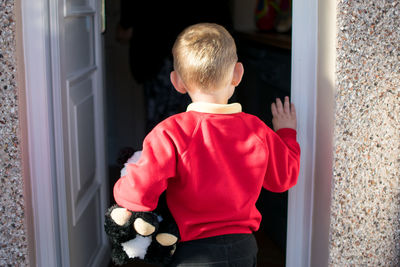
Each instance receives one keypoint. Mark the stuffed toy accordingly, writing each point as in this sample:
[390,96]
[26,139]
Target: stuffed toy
[141,236]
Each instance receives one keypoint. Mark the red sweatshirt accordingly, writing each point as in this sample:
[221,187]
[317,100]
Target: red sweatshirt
[212,161]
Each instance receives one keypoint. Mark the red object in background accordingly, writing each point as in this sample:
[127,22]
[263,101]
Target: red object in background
[266,12]
[274,15]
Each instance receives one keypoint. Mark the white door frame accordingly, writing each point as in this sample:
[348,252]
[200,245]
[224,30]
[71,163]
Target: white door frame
[49,214]
[304,95]
[38,84]
[44,127]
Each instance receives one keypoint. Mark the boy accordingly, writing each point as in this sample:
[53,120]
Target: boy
[212,160]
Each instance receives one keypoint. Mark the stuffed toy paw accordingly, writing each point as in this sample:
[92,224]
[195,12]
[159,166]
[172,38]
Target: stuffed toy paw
[141,236]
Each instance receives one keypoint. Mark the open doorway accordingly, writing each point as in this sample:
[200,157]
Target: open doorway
[267,63]
[46,77]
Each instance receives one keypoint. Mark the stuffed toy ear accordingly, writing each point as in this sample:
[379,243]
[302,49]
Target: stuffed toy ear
[145,223]
[120,215]
[164,243]
[168,234]
[117,232]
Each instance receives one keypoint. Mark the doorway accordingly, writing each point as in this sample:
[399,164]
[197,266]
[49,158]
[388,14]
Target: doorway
[42,78]
[267,61]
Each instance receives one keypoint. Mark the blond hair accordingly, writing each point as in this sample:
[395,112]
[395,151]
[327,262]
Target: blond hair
[204,55]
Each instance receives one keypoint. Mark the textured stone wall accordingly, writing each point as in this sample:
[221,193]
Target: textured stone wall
[13,243]
[365,219]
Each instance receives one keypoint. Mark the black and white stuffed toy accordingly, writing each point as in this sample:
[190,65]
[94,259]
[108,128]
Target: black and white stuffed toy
[141,236]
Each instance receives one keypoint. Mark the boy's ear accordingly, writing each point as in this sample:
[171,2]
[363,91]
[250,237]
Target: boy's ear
[177,82]
[237,74]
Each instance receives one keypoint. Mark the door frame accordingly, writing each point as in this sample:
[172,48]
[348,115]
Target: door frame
[39,118]
[304,95]
[44,147]
[42,69]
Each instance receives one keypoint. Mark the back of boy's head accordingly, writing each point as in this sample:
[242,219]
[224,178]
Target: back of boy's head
[204,55]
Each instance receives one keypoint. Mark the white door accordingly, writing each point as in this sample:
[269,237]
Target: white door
[82,116]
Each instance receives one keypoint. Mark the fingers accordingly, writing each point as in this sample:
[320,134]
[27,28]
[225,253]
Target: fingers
[284,115]
[293,110]
[279,108]
[286,106]
[273,110]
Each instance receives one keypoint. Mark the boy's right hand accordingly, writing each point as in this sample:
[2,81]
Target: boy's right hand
[284,116]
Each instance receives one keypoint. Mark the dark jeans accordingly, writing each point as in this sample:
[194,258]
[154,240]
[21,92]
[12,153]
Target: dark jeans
[236,250]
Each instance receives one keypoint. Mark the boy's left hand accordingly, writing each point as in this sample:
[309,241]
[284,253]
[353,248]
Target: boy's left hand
[284,116]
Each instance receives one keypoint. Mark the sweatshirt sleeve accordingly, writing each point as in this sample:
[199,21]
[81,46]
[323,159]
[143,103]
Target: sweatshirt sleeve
[284,160]
[145,180]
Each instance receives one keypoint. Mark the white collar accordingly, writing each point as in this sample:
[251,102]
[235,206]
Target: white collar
[215,108]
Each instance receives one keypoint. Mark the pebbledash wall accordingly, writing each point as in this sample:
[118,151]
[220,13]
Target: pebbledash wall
[365,208]
[13,233]
[365,193]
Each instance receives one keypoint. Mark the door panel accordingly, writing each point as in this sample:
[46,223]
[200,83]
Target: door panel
[77,5]
[80,46]
[82,145]
[87,245]
[79,43]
